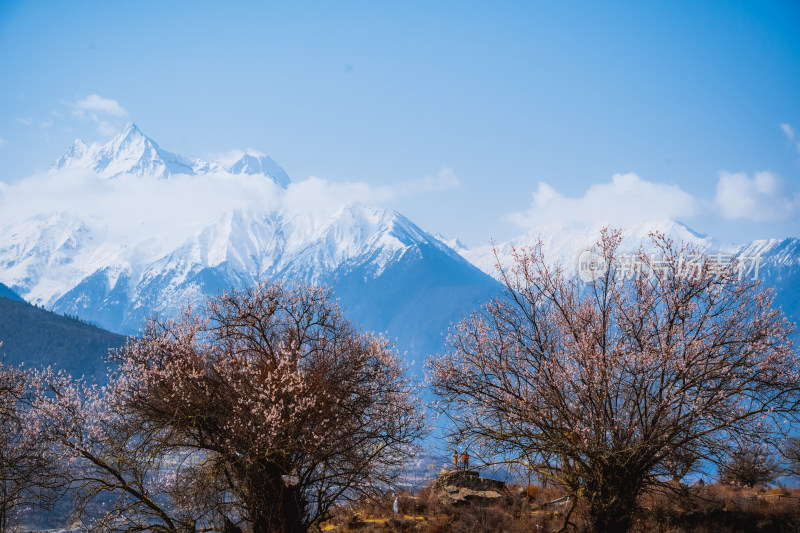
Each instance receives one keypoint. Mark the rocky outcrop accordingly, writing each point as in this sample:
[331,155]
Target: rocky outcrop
[458,487]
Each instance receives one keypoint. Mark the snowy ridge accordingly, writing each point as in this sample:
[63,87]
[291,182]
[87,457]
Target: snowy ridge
[129,152]
[39,245]
[255,163]
[46,258]
[455,244]
[775,252]
[563,244]
[132,153]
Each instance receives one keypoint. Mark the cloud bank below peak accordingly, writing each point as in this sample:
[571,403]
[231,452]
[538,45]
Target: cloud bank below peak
[130,186]
[179,206]
[628,200]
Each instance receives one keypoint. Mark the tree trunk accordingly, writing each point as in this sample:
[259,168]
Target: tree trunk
[612,509]
[275,507]
[283,515]
[610,522]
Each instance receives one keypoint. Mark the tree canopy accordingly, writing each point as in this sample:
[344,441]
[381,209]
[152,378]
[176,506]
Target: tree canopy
[604,387]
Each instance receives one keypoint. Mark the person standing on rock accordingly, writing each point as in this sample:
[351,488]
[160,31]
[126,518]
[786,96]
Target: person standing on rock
[465,460]
[455,461]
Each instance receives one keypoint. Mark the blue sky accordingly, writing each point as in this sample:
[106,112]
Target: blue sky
[534,107]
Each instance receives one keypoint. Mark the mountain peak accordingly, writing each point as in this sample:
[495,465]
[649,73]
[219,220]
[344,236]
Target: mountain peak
[130,130]
[129,141]
[76,153]
[455,244]
[129,152]
[132,153]
[256,163]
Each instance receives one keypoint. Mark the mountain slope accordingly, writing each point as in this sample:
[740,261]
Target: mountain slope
[407,300]
[389,275]
[36,337]
[5,292]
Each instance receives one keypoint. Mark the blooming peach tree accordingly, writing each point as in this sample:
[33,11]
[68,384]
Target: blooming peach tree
[605,387]
[120,477]
[291,408]
[29,475]
[749,465]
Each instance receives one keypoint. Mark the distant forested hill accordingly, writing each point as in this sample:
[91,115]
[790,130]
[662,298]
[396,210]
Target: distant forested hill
[38,337]
[5,292]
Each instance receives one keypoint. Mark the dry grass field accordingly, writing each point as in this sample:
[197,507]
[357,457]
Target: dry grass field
[711,509]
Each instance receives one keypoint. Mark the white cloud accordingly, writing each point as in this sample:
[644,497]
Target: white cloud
[97,103]
[445,179]
[763,197]
[25,121]
[626,200]
[232,156]
[336,194]
[629,200]
[788,130]
[3,142]
[106,128]
[323,196]
[129,208]
[102,111]
[171,210]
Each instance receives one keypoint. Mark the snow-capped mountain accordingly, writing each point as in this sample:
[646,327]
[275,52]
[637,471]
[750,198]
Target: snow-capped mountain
[129,152]
[255,163]
[239,249]
[132,153]
[389,275]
